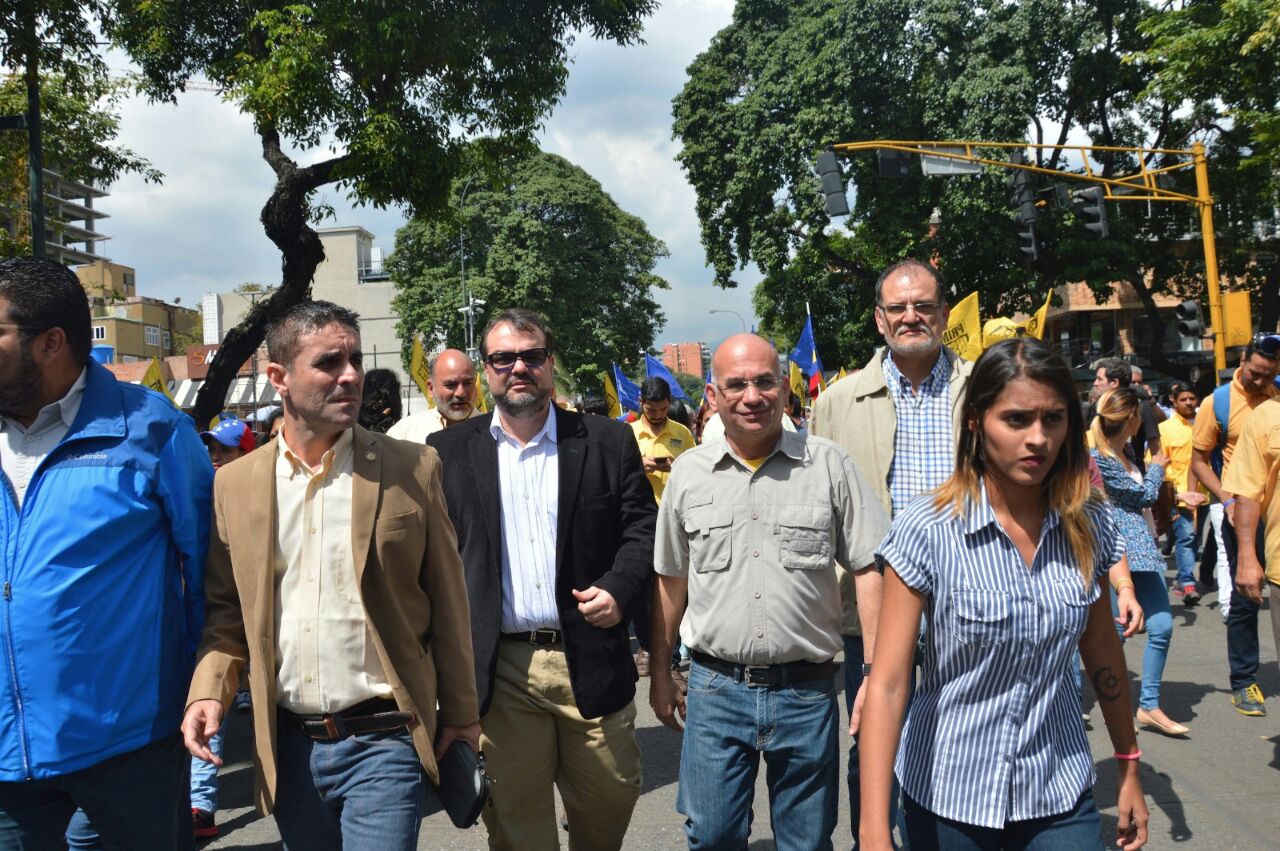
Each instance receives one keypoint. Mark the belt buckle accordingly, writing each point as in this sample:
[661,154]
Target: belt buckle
[759,677]
[542,637]
[334,728]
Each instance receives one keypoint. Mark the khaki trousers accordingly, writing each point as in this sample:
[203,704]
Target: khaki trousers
[534,736]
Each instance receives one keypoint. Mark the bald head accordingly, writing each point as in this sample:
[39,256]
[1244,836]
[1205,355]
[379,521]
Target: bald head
[747,392]
[453,385]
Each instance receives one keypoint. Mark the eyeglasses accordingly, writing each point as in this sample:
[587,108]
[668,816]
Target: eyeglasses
[533,358]
[734,388]
[922,308]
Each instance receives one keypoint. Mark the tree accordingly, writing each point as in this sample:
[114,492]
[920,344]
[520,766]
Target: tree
[786,79]
[1220,57]
[379,98]
[59,79]
[549,238]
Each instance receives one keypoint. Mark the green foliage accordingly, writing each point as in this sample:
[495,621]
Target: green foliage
[80,122]
[693,385]
[786,79]
[549,239]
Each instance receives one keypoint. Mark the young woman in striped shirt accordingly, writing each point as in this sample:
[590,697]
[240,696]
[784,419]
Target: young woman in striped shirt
[1005,561]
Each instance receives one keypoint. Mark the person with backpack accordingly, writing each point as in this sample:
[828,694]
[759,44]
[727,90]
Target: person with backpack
[1219,423]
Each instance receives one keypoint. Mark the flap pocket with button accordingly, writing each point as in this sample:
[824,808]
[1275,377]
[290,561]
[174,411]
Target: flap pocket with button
[710,537]
[982,618]
[804,537]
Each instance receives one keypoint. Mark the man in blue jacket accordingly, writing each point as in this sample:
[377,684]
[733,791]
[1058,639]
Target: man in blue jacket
[104,524]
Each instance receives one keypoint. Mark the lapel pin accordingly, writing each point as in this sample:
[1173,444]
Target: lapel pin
[371,456]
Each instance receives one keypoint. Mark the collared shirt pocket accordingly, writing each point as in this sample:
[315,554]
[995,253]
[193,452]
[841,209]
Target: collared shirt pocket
[710,537]
[1071,605]
[982,618]
[804,537]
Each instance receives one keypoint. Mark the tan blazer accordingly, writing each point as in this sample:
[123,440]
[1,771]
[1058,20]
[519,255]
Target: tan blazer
[408,572]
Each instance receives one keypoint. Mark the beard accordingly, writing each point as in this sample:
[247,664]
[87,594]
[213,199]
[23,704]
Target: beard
[524,403]
[454,412]
[24,389]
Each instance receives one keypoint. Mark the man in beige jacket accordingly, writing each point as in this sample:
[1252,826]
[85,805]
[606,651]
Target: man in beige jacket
[898,417]
[334,569]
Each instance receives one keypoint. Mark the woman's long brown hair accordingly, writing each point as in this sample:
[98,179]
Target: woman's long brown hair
[1067,483]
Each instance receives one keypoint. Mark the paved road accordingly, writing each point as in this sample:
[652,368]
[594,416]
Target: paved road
[1215,790]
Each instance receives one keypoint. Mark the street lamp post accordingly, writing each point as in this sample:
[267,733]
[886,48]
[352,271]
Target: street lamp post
[735,313]
[470,305]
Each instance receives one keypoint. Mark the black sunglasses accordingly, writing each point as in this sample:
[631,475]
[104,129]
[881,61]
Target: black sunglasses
[533,358]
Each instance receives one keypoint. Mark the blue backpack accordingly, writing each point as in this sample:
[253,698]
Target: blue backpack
[1222,413]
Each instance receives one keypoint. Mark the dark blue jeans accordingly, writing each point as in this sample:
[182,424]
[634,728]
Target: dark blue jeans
[730,726]
[365,791]
[136,800]
[1079,829]
[1242,618]
[1184,545]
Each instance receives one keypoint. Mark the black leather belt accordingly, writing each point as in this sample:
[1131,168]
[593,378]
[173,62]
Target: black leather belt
[379,715]
[538,637]
[767,676]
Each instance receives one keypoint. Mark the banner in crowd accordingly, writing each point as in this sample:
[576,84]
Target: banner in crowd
[420,371]
[627,390]
[153,380]
[968,336]
[481,405]
[654,368]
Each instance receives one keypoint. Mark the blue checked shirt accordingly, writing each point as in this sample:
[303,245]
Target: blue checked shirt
[994,732]
[924,447]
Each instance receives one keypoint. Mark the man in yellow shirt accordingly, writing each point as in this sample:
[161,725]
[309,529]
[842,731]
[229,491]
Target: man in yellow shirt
[661,439]
[1212,450]
[1252,478]
[1175,441]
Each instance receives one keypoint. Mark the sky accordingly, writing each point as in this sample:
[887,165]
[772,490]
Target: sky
[199,231]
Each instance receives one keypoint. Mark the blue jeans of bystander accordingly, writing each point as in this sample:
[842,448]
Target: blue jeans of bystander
[1153,596]
[730,726]
[1184,545]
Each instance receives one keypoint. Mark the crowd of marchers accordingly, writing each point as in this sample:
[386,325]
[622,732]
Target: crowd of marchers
[956,546]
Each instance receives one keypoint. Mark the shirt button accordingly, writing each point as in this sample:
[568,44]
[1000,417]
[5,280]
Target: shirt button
[759,633]
[755,553]
[307,628]
[757,595]
[537,585]
[307,678]
[755,516]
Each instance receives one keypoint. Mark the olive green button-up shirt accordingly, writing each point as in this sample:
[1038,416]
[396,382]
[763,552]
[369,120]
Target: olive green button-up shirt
[759,547]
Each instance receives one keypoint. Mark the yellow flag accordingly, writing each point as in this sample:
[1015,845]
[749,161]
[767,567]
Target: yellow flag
[481,405]
[152,380]
[999,328]
[611,396]
[841,374]
[964,330]
[797,382]
[420,372]
[1034,327]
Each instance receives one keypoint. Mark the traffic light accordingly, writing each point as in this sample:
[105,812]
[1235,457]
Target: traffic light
[833,183]
[1023,198]
[1190,319]
[1027,241]
[1090,206]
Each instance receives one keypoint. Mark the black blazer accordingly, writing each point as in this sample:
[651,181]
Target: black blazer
[604,538]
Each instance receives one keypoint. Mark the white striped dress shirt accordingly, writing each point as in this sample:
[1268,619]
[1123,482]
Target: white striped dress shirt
[994,732]
[529,487]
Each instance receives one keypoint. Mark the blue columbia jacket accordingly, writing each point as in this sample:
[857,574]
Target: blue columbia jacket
[103,596]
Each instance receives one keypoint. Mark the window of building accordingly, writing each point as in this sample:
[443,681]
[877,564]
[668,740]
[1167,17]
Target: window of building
[153,335]
[168,341]
[99,332]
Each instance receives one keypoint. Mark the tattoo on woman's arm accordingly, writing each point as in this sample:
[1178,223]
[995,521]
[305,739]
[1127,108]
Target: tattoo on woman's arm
[1106,685]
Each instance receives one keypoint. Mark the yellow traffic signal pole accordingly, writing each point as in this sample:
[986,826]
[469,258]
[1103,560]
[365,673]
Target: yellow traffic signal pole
[1205,202]
[1142,186]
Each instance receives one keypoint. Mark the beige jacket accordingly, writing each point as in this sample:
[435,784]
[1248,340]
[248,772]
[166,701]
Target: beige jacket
[410,580]
[858,414]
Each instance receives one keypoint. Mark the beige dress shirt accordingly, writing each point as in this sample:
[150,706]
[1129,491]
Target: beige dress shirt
[759,547]
[22,449]
[416,428]
[325,656]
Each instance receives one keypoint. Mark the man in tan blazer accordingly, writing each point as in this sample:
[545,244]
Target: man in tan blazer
[334,570]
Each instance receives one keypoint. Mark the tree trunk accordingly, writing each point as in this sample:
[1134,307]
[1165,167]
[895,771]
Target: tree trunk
[284,218]
[1156,351]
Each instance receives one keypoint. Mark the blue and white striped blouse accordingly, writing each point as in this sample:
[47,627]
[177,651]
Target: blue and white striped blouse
[994,732]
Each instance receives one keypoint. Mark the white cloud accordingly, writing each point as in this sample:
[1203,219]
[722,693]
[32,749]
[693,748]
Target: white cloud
[200,231]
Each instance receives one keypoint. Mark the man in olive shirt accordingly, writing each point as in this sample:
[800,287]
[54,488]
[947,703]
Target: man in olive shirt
[749,530]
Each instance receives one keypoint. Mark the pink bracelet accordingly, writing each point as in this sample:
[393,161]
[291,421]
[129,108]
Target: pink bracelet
[1136,755]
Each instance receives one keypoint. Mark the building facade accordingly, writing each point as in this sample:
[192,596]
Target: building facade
[689,358]
[137,328]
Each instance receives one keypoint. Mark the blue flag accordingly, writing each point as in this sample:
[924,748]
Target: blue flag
[805,354]
[655,368]
[628,390]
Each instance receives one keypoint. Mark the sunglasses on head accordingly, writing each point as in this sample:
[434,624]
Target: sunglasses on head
[533,358]
[1268,344]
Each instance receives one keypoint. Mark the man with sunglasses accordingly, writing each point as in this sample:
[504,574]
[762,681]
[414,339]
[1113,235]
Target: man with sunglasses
[898,418]
[749,533]
[555,524]
[1219,424]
